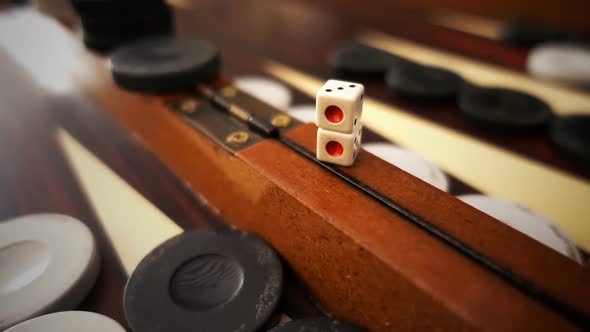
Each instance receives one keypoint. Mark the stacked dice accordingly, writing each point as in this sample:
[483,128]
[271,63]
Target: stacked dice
[339,106]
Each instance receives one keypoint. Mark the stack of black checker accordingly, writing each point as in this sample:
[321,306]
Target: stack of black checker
[108,24]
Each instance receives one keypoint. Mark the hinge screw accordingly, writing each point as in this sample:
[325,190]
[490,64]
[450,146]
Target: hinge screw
[237,137]
[281,120]
[189,106]
[229,91]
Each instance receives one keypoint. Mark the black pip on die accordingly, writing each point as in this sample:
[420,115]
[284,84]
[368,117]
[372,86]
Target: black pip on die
[339,106]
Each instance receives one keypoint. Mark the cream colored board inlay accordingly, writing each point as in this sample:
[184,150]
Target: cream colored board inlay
[475,25]
[563,100]
[493,171]
[133,224]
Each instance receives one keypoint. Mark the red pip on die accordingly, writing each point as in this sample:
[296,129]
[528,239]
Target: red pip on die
[339,106]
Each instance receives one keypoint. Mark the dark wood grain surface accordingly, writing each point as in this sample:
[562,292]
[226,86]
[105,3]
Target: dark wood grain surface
[564,14]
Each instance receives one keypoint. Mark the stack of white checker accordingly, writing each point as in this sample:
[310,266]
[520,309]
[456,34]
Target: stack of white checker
[339,106]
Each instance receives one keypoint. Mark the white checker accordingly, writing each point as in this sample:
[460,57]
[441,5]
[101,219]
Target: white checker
[410,163]
[304,113]
[525,221]
[69,321]
[46,59]
[266,89]
[339,106]
[49,262]
[564,62]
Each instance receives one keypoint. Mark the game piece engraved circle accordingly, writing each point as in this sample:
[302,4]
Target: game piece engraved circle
[334,149]
[572,135]
[411,163]
[165,64]
[48,262]
[270,91]
[22,262]
[168,289]
[563,62]
[334,114]
[424,82]
[316,325]
[69,321]
[525,221]
[503,109]
[206,281]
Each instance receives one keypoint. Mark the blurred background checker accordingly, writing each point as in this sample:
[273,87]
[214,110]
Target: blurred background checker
[411,163]
[205,280]
[164,65]
[69,321]
[316,325]
[48,262]
[528,34]
[303,112]
[527,222]
[561,62]
[268,90]
[503,109]
[358,61]
[572,135]
[109,24]
[423,82]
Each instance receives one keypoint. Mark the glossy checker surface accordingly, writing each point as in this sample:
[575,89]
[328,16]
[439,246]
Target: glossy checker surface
[49,262]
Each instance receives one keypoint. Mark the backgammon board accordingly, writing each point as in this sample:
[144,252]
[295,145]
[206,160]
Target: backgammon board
[382,247]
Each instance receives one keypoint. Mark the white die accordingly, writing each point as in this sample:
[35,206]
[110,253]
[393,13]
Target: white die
[339,105]
[338,148]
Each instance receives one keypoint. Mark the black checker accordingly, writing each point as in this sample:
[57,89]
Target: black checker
[360,61]
[316,325]
[115,8]
[205,281]
[165,64]
[423,82]
[572,135]
[105,42]
[527,34]
[504,109]
[147,23]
